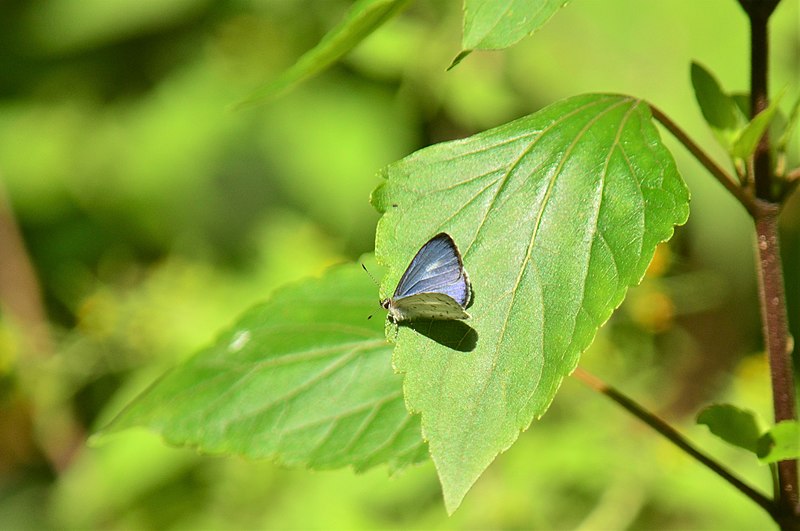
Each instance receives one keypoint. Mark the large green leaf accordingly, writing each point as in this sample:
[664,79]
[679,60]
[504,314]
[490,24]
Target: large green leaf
[364,17]
[556,215]
[304,379]
[498,24]
[735,426]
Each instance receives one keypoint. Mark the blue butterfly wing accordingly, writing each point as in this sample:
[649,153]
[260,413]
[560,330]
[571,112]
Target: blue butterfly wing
[436,268]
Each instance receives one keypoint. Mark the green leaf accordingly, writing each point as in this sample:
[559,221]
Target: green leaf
[780,443]
[304,379]
[735,426]
[788,129]
[720,110]
[556,214]
[497,24]
[747,140]
[364,17]
[742,101]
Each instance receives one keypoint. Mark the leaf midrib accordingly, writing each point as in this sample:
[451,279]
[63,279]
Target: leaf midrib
[470,420]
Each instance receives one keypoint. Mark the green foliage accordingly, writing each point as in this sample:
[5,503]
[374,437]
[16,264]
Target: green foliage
[152,215]
[304,378]
[720,110]
[746,141]
[494,25]
[791,124]
[556,214]
[781,442]
[362,19]
[726,114]
[736,426]
[742,428]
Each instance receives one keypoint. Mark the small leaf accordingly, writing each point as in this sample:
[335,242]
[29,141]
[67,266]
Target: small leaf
[556,214]
[735,426]
[742,100]
[719,109]
[304,379]
[780,443]
[364,17]
[788,129]
[497,24]
[745,144]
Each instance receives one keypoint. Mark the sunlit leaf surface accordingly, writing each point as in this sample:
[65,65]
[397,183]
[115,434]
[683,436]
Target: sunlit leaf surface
[781,442]
[556,214]
[304,379]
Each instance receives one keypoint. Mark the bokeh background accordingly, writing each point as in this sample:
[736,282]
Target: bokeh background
[139,215]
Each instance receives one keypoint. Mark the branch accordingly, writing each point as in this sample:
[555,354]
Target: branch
[676,438]
[771,290]
[720,174]
[776,335]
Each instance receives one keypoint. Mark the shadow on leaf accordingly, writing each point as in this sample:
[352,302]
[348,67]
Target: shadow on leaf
[456,335]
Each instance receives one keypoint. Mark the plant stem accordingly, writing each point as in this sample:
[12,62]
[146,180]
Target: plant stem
[715,169]
[770,273]
[776,335]
[759,13]
[676,438]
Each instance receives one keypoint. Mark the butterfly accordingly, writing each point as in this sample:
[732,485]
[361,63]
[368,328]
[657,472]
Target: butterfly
[434,286]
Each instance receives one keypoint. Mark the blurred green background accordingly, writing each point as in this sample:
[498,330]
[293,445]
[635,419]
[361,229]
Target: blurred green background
[139,215]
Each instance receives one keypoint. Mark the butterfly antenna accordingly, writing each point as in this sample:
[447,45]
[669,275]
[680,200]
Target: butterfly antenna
[375,281]
[370,275]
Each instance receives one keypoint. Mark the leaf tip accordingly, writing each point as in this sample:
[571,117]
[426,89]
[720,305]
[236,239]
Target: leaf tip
[460,57]
[453,494]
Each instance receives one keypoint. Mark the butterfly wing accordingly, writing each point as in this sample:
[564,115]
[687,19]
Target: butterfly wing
[437,306]
[436,268]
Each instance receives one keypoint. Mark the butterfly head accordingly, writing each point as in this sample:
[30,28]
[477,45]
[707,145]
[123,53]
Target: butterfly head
[393,316]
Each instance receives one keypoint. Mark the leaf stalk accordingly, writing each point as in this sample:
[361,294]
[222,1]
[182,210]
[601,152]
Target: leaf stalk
[662,427]
[741,194]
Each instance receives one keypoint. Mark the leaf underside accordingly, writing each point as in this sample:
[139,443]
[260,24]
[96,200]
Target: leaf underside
[494,25]
[364,17]
[304,379]
[733,425]
[720,110]
[556,214]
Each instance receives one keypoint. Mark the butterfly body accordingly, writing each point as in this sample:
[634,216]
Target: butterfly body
[434,286]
